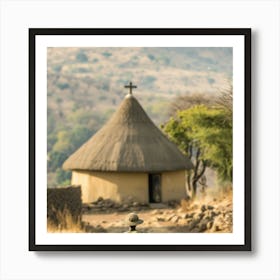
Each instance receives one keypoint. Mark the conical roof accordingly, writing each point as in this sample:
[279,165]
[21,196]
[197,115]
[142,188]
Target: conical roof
[128,142]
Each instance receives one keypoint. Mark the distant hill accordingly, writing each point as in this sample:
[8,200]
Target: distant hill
[86,85]
[94,77]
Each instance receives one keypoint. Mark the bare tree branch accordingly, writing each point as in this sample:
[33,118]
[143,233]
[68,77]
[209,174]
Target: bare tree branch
[187,101]
[225,99]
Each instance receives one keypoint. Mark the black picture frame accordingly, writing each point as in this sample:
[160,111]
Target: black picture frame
[246,33]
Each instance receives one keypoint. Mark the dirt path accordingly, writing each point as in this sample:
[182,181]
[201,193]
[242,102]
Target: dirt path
[202,216]
[116,222]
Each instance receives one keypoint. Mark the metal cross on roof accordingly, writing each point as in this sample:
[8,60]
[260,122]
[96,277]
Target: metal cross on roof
[130,86]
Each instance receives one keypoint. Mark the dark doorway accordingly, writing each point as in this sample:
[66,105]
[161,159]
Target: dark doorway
[154,188]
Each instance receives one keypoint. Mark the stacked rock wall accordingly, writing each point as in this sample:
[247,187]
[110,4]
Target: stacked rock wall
[63,202]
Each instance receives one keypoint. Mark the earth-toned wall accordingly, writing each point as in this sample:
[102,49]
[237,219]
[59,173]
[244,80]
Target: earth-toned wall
[173,185]
[119,186]
[116,186]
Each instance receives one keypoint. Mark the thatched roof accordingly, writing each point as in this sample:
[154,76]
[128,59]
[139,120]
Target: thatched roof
[129,142]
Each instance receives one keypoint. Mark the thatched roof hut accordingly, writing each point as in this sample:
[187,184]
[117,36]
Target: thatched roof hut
[129,142]
[124,156]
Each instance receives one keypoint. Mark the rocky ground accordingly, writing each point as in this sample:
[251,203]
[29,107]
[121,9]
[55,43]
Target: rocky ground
[208,214]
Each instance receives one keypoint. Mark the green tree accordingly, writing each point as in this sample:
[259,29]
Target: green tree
[205,135]
[67,142]
[63,177]
[63,143]
[56,159]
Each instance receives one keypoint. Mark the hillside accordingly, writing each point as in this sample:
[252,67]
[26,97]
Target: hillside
[86,85]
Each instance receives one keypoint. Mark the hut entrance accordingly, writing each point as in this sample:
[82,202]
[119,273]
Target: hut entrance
[154,188]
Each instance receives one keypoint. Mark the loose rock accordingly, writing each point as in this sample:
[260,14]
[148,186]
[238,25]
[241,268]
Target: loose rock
[175,219]
[209,225]
[202,227]
[203,208]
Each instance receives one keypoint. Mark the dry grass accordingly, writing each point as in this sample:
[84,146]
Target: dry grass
[216,205]
[66,223]
[215,196]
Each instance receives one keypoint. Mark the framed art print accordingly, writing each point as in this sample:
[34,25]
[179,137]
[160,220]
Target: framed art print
[144,131]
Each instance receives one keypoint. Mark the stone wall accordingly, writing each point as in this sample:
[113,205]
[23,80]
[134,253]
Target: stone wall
[62,203]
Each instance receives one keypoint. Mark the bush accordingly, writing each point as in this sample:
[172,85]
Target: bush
[82,57]
[57,68]
[63,86]
[149,80]
[106,54]
[211,81]
[81,70]
[151,57]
